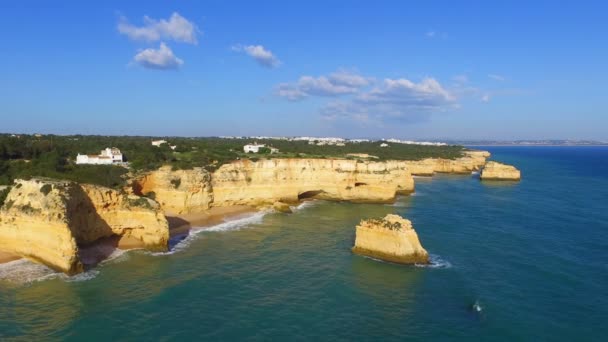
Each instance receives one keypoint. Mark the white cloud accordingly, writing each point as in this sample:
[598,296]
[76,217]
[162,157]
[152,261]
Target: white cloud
[431,34]
[335,84]
[426,94]
[161,59]
[496,77]
[261,55]
[485,98]
[176,28]
[460,79]
[368,102]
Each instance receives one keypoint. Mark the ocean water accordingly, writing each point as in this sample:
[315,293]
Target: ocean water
[512,261]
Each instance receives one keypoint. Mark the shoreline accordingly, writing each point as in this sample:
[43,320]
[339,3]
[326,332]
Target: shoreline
[178,224]
[183,223]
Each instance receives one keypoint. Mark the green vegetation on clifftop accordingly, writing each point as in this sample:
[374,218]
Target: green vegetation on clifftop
[26,156]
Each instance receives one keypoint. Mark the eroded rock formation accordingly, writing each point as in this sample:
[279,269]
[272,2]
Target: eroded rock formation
[46,221]
[498,171]
[179,191]
[469,162]
[391,238]
[267,181]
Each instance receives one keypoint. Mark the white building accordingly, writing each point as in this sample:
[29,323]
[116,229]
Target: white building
[255,148]
[384,145]
[106,157]
[158,142]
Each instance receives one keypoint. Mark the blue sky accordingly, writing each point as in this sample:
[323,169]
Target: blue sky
[403,69]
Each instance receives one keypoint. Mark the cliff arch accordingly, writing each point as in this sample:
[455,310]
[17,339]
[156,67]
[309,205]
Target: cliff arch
[310,194]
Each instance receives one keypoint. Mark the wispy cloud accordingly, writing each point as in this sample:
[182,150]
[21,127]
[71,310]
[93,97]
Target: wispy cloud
[335,84]
[460,79]
[368,102]
[263,56]
[431,34]
[176,28]
[496,77]
[159,59]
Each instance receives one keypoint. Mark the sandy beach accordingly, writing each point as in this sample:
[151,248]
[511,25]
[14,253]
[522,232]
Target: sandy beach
[178,224]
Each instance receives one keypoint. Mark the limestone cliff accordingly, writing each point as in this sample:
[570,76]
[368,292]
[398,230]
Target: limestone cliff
[498,171]
[46,221]
[179,191]
[115,213]
[470,161]
[34,224]
[288,180]
[392,239]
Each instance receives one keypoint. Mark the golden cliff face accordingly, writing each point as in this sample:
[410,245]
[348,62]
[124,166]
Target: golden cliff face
[126,215]
[469,162]
[498,171]
[180,191]
[35,225]
[289,180]
[391,239]
[46,221]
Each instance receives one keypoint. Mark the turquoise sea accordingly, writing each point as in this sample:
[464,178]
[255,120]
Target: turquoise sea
[523,261]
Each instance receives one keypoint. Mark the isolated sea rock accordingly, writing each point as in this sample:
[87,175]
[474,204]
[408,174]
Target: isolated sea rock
[498,171]
[177,191]
[47,221]
[267,181]
[391,238]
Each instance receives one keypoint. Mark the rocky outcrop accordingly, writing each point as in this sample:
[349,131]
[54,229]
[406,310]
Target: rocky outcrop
[391,239]
[469,162]
[179,191]
[498,171]
[264,182]
[46,221]
[124,215]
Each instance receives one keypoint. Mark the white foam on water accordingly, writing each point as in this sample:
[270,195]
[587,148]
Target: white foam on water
[435,262]
[23,272]
[477,306]
[181,242]
[118,255]
[303,205]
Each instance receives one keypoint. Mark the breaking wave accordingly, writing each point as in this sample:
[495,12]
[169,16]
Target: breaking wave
[436,262]
[180,242]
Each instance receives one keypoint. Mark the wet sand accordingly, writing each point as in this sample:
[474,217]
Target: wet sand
[180,224]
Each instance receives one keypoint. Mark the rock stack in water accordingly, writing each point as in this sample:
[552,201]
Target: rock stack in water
[391,238]
[498,171]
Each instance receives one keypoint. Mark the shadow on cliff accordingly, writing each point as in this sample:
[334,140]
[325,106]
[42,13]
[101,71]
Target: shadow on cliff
[95,239]
[179,229]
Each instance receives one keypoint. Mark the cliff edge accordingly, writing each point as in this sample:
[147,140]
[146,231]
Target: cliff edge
[391,238]
[47,220]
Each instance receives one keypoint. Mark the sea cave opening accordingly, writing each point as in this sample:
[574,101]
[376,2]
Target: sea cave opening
[310,194]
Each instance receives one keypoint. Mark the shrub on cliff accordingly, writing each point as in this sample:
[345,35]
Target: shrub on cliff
[46,188]
[3,194]
[176,182]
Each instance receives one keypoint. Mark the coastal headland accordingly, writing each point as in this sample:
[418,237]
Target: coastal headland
[55,222]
